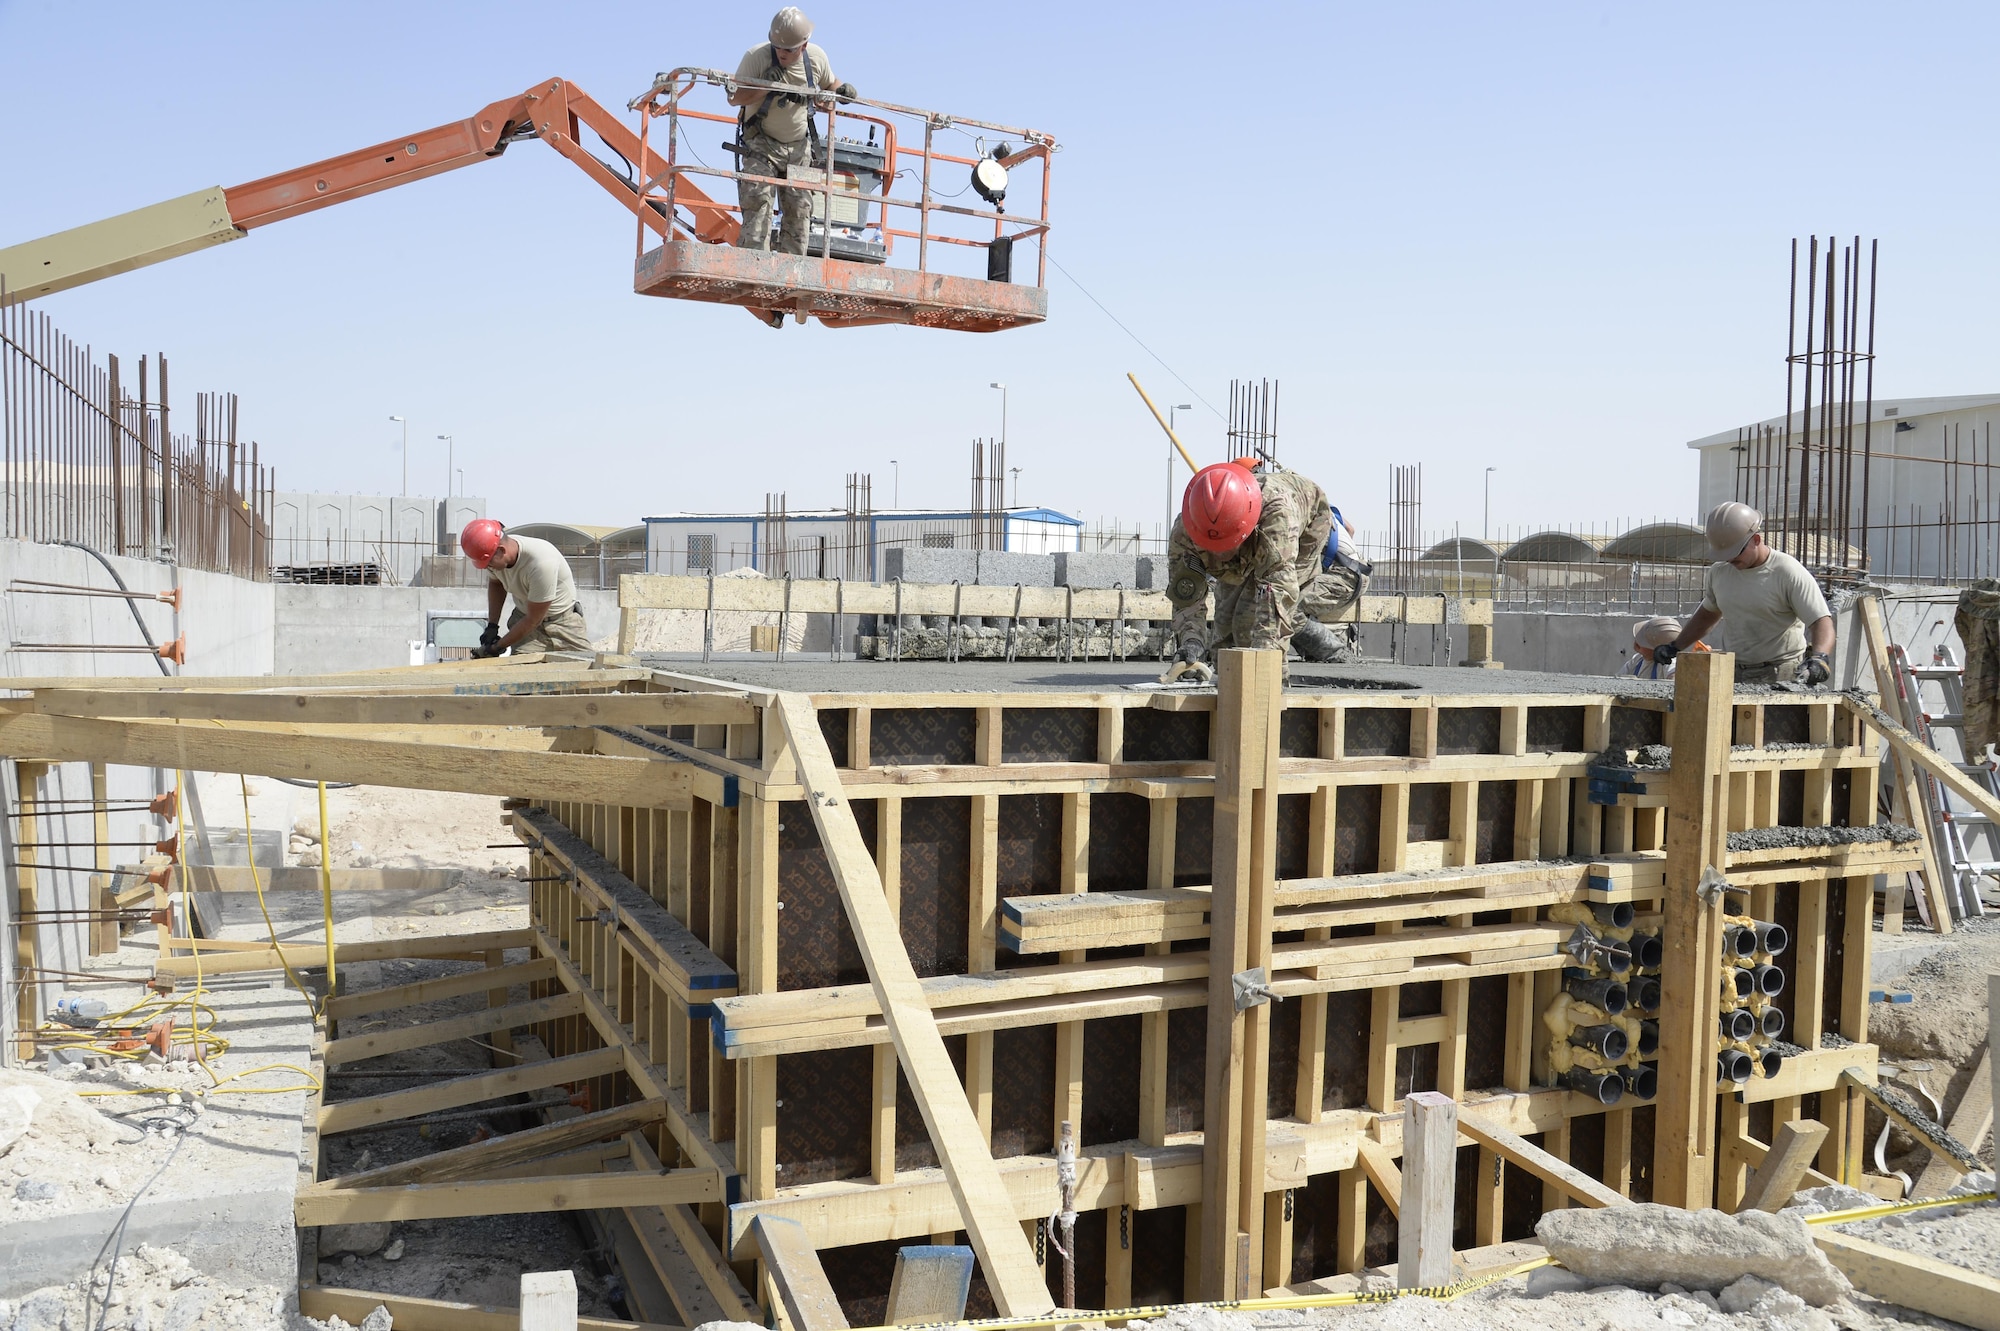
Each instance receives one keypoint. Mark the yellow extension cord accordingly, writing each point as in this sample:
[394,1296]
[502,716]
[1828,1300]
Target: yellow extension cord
[207,1043]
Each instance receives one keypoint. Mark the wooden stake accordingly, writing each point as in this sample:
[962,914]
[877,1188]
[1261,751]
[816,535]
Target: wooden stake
[1697,841]
[1430,1171]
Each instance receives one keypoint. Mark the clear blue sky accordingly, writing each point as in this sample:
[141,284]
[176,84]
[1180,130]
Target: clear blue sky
[1548,238]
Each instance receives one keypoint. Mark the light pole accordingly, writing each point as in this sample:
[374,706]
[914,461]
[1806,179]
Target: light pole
[1017,486]
[461,480]
[1172,414]
[895,484]
[1003,416]
[1486,521]
[450,450]
[406,454]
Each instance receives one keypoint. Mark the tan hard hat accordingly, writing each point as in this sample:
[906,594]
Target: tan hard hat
[1730,527]
[1656,632]
[790,27]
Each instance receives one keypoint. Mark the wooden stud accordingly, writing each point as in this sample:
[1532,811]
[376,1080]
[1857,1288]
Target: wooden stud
[1784,1168]
[1732,1169]
[795,1271]
[1460,840]
[1618,1150]
[1424,730]
[986,736]
[1430,1173]
[1111,740]
[1351,1222]
[1118,1257]
[1859,937]
[1395,827]
[1697,839]
[1540,1163]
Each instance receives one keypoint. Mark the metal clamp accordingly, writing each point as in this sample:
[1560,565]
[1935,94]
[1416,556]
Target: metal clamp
[1252,988]
[1710,886]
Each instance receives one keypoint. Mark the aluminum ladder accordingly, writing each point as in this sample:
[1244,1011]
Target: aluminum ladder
[1963,835]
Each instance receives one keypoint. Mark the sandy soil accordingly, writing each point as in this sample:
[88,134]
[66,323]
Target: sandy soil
[1937,1037]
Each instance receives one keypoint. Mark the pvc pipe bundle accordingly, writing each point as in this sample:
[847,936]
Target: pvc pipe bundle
[1751,980]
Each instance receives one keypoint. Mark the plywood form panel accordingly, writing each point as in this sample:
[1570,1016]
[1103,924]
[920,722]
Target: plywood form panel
[1048,735]
[937,883]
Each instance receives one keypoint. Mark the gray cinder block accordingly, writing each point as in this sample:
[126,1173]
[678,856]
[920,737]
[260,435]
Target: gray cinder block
[917,564]
[1097,569]
[1000,568]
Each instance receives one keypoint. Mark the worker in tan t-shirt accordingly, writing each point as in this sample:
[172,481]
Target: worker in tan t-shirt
[1779,624]
[546,616]
[775,131]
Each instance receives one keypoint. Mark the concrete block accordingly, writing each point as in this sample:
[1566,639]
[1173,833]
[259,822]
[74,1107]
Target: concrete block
[1152,573]
[1002,568]
[1097,569]
[917,564]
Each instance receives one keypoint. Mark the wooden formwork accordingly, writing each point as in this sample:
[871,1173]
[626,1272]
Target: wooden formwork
[1060,865]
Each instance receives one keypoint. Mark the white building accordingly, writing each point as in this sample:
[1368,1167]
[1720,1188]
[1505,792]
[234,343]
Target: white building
[1931,488]
[833,543]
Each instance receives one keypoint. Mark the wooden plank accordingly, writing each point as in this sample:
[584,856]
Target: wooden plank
[931,1284]
[1510,1146]
[477,1088]
[1909,800]
[1430,1152]
[354,1048]
[1004,1255]
[1784,1168]
[548,1300]
[402,709]
[795,1272]
[1382,1171]
[468,947]
[641,782]
[448,986]
[328,1204]
[1697,840]
[461,1162]
[415,1314]
[1913,1281]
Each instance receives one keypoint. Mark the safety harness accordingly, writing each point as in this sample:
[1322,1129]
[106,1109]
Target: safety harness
[748,119]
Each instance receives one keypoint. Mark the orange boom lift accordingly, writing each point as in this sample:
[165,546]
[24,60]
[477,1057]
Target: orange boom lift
[686,237]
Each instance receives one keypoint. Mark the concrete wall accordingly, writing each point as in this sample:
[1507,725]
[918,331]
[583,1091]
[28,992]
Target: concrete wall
[325,629]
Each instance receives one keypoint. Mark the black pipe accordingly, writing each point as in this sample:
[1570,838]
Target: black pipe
[1617,958]
[1616,914]
[1738,941]
[1768,981]
[1607,1088]
[1648,951]
[1733,1065]
[1607,1041]
[1643,993]
[1649,1038]
[1772,938]
[1772,1061]
[1745,986]
[1606,994]
[1738,1024]
[1774,1022]
[1643,1081]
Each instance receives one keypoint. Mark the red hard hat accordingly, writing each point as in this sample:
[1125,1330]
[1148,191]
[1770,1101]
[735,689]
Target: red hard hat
[1220,507]
[480,539]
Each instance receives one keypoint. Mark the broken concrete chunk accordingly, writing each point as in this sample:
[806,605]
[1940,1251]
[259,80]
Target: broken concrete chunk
[362,1240]
[1546,1280]
[1650,1244]
[378,1320]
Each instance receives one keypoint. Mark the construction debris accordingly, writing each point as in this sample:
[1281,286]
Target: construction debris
[1652,1245]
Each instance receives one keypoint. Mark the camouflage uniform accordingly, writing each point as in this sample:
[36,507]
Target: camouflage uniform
[1263,590]
[766,156]
[556,633]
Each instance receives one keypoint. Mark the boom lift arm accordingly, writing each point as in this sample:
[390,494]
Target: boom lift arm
[554,111]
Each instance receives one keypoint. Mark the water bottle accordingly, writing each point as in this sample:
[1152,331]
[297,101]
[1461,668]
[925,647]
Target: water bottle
[74,1010]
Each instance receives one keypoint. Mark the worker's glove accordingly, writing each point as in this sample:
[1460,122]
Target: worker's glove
[845,92]
[1664,654]
[1815,670]
[1188,666]
[490,636]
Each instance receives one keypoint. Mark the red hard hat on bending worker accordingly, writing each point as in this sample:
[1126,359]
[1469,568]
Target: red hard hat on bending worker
[1221,506]
[480,539]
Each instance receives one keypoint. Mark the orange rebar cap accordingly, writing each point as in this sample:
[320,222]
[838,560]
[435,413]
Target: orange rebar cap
[1221,505]
[175,651]
[481,540]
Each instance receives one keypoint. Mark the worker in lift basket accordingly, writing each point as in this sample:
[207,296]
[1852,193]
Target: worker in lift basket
[776,131]
[546,616]
[1779,625]
[1259,533]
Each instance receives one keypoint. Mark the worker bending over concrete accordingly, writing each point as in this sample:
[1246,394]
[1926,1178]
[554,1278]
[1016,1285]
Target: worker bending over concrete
[1779,624]
[546,615]
[1259,534]
[1648,636]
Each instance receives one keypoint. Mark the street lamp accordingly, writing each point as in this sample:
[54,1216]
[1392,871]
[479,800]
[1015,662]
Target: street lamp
[1486,521]
[895,484]
[406,454]
[1003,415]
[1017,486]
[450,449]
[1172,413]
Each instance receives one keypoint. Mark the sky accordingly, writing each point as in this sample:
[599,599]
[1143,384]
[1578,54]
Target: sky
[1549,239]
